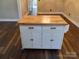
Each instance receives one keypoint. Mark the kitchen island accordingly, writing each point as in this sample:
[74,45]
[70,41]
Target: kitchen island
[42,32]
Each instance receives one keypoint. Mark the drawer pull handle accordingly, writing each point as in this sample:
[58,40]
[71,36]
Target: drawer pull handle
[31,27]
[31,39]
[51,40]
[53,28]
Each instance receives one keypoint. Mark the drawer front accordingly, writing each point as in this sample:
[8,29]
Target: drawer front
[30,36]
[55,27]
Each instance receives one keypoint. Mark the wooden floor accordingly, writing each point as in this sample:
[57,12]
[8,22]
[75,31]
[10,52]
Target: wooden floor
[10,45]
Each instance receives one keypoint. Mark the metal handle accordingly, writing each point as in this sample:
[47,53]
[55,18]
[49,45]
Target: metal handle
[51,40]
[53,28]
[31,39]
[31,27]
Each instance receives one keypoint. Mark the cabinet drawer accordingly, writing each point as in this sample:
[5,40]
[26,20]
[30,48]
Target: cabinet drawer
[55,27]
[30,28]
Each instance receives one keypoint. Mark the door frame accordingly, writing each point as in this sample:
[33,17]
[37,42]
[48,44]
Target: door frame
[19,8]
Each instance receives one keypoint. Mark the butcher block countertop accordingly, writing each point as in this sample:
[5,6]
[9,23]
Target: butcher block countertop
[43,20]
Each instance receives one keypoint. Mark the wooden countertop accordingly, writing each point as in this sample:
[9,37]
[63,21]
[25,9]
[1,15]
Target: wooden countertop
[42,20]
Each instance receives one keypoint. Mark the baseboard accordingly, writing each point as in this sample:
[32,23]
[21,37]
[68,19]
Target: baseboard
[9,20]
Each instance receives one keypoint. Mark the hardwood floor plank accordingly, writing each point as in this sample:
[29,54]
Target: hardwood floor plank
[60,55]
[7,47]
[46,54]
[1,48]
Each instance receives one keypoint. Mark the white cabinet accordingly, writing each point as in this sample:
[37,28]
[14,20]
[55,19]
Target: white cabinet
[42,36]
[31,36]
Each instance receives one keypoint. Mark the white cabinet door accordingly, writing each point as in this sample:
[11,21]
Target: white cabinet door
[47,33]
[52,37]
[36,34]
[30,36]
[26,37]
[57,41]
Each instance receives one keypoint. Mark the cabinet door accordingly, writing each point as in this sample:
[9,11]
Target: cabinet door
[26,37]
[36,34]
[52,37]
[57,39]
[30,36]
[47,33]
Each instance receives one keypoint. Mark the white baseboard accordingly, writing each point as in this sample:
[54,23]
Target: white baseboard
[9,19]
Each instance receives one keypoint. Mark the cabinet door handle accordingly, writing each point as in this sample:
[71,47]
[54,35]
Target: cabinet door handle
[51,40]
[32,39]
[53,28]
[31,27]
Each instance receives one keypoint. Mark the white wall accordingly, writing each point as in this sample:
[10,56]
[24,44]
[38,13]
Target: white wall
[71,9]
[46,5]
[8,9]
